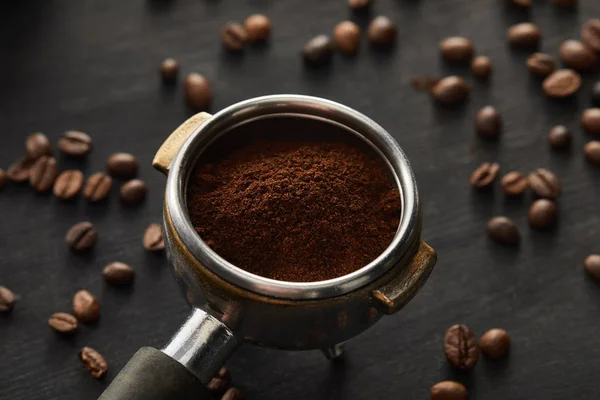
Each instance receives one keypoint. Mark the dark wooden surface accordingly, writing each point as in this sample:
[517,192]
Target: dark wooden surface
[92,66]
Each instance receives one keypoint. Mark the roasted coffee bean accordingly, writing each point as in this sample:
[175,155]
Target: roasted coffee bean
[481,67]
[565,3]
[562,83]
[521,3]
[63,323]
[525,35]
[169,69]
[460,347]
[458,50]
[38,145]
[75,143]
[595,94]
[224,374]
[19,171]
[545,184]
[495,343]
[576,55]
[7,299]
[359,4]
[81,236]
[347,37]
[122,165]
[97,187]
[541,64]
[258,27]
[382,31]
[94,362]
[318,50]
[590,120]
[559,137]
[118,273]
[233,36]
[451,90]
[133,192]
[503,230]
[233,394]
[592,152]
[488,123]
[592,266]
[217,386]
[68,184]
[485,175]
[3,178]
[153,238]
[448,390]
[43,174]
[86,307]
[198,94]
[514,183]
[590,34]
[543,214]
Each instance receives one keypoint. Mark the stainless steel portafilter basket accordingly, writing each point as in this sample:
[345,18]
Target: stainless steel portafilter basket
[230,306]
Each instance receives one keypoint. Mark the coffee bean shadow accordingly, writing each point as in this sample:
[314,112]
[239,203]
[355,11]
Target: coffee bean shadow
[444,113]
[503,256]
[260,47]
[233,58]
[514,204]
[566,106]
[362,17]
[512,14]
[495,370]
[382,54]
[487,150]
[466,378]
[118,294]
[453,68]
[168,88]
[317,73]
[159,6]
[544,242]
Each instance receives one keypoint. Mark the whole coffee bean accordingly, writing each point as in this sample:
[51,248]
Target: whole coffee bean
[81,236]
[233,394]
[495,343]
[592,266]
[68,184]
[488,123]
[233,36]
[562,83]
[595,94]
[382,31]
[451,90]
[318,50]
[460,347]
[86,307]
[258,27]
[592,152]
[75,143]
[169,69]
[118,273]
[448,390]
[133,192]
[224,374]
[525,35]
[153,238]
[122,165]
[19,171]
[63,323]
[503,230]
[590,34]
[485,175]
[220,382]
[197,92]
[545,184]
[347,37]
[38,145]
[565,3]
[3,178]
[590,120]
[481,67]
[457,50]
[541,64]
[521,3]
[576,55]
[559,137]
[358,5]
[7,299]
[543,214]
[514,183]
[43,174]
[94,362]
[97,187]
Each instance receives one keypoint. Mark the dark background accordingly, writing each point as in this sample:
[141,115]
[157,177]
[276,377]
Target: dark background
[93,66]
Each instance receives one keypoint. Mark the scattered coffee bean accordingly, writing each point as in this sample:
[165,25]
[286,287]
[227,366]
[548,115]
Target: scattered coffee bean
[63,323]
[97,187]
[514,183]
[448,390]
[94,362]
[451,90]
[43,174]
[525,35]
[133,192]
[541,64]
[169,69]
[382,31]
[590,34]
[318,50]
[590,120]
[7,299]
[576,55]
[153,238]
[81,236]
[559,137]
[3,178]
[217,386]
[521,3]
[224,374]
[258,27]
[481,67]
[495,343]
[19,170]
[460,347]
[595,94]
[357,5]
[592,266]
[565,3]
[86,307]
[233,394]
[592,152]
[118,273]
[485,175]
[488,123]
[503,230]
[122,165]
[38,145]
[545,184]
[234,36]
[347,37]
[68,184]
[562,83]
[198,94]
[543,214]
[75,144]
[458,50]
